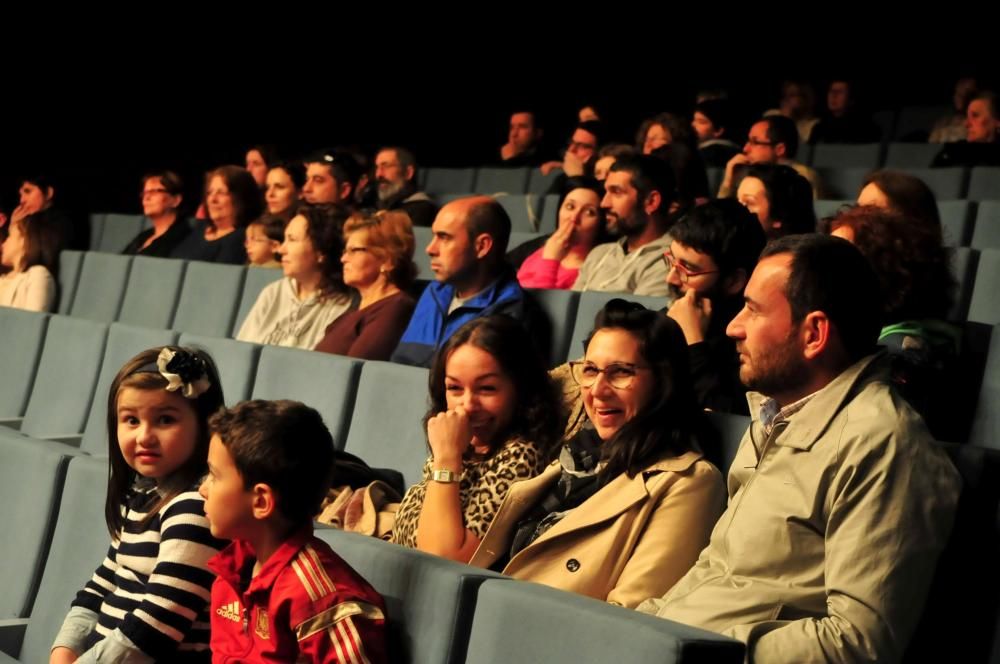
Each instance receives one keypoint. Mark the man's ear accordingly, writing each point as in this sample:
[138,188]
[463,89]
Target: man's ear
[781,150]
[264,501]
[482,245]
[652,203]
[345,191]
[409,173]
[735,282]
[815,334]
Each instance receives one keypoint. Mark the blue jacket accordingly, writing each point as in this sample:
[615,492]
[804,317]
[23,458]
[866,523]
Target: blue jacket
[432,325]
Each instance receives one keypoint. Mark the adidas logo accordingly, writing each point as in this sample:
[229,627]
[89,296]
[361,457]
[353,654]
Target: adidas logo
[231,611]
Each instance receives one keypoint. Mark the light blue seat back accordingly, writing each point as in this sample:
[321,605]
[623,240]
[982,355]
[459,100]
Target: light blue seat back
[154,285]
[209,298]
[118,231]
[837,155]
[78,546]
[323,381]
[946,183]
[124,343]
[560,307]
[257,278]
[984,307]
[24,332]
[986,234]
[70,264]
[430,600]
[524,211]
[386,429]
[528,622]
[66,377]
[984,183]
[31,479]
[422,237]
[498,179]
[956,222]
[236,361]
[911,155]
[842,183]
[450,181]
[101,287]
[985,430]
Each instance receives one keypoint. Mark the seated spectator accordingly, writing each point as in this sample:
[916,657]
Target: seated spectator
[839,501]
[714,128]
[780,197]
[917,291]
[713,252]
[31,253]
[689,174]
[798,104]
[233,201]
[331,177]
[162,193]
[660,130]
[843,122]
[951,127]
[581,152]
[269,467]
[283,188]
[981,146]
[259,160]
[396,181]
[493,420]
[39,192]
[556,261]
[295,311]
[628,501]
[524,141]
[264,238]
[904,194]
[772,140]
[608,155]
[471,278]
[637,204]
[378,263]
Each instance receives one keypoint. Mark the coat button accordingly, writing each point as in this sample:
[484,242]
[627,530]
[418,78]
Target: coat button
[572,564]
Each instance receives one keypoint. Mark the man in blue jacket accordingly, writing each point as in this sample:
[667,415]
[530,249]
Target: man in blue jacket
[471,277]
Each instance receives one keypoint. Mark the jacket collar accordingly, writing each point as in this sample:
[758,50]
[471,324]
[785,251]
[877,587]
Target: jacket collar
[808,424]
[502,288]
[229,563]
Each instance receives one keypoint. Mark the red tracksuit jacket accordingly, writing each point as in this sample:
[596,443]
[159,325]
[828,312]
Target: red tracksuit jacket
[305,605]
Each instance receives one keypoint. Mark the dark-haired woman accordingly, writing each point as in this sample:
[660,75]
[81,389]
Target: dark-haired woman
[623,511]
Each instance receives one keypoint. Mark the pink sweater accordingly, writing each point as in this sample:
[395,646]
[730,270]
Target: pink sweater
[538,272]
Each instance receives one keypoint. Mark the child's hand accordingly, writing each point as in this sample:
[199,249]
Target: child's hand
[449,434]
[62,656]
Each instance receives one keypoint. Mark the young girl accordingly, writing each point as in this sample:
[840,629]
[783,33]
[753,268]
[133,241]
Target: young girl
[148,600]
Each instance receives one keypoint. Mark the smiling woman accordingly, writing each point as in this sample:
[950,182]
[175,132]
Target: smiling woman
[493,418]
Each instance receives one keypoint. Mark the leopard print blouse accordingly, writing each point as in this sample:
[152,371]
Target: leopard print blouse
[483,487]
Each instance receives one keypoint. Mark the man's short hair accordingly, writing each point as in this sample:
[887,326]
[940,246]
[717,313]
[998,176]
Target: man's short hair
[405,157]
[650,174]
[831,275]
[491,218]
[725,230]
[783,130]
[344,167]
[283,444]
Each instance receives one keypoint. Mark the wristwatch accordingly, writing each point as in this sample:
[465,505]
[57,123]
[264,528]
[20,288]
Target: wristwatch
[445,476]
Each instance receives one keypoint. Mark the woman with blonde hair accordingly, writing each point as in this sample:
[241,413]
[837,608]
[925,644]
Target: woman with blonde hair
[378,263]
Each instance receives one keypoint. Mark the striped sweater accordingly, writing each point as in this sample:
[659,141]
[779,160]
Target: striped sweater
[154,586]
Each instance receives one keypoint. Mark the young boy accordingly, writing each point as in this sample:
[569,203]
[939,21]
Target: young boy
[264,236]
[281,594]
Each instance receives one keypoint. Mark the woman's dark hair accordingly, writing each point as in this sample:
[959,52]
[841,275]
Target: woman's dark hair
[680,131]
[140,373]
[594,185]
[325,228]
[908,195]
[296,171]
[669,423]
[43,240]
[43,182]
[909,259]
[789,194]
[248,202]
[538,415]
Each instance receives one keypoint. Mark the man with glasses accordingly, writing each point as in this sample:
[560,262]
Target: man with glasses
[713,252]
[331,177]
[640,191]
[773,139]
[839,501]
[581,153]
[396,186]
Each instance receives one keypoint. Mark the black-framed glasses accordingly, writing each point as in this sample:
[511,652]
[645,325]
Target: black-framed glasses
[150,192]
[756,142]
[683,272]
[618,374]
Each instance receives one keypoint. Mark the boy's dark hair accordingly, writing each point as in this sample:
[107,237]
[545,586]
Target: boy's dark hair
[283,444]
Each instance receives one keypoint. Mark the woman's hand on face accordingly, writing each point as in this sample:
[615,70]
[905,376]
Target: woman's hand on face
[20,212]
[558,244]
[449,434]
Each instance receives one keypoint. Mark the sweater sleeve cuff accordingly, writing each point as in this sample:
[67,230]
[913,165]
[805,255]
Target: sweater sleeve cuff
[115,647]
[75,629]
